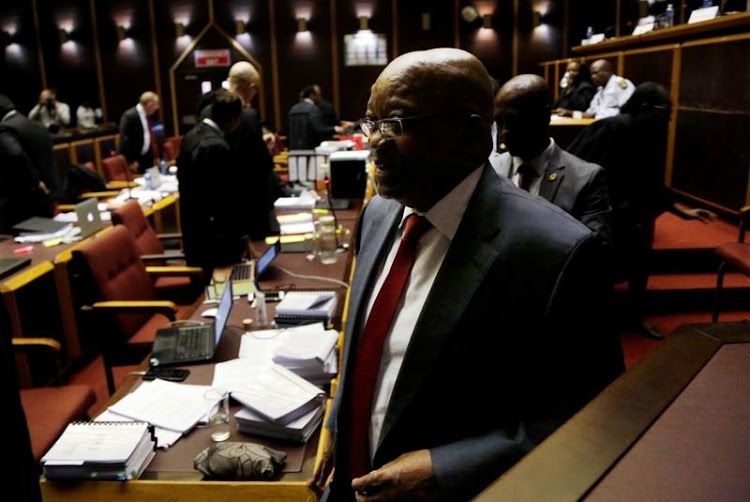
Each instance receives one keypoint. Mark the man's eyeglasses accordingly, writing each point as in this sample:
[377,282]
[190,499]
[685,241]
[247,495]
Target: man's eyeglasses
[394,127]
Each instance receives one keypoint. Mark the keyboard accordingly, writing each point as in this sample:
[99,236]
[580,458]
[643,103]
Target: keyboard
[194,340]
[240,272]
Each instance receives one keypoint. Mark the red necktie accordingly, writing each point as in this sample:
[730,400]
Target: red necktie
[370,351]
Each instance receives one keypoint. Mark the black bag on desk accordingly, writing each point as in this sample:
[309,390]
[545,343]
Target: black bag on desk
[240,461]
[79,180]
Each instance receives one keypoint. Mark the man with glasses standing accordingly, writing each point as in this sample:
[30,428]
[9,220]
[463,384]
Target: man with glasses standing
[473,329]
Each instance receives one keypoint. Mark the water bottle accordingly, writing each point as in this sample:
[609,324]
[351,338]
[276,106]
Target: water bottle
[261,311]
[163,166]
[147,177]
[707,3]
[589,31]
[669,16]
[327,240]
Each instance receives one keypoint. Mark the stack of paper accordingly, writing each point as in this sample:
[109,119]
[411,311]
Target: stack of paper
[298,223]
[174,406]
[278,395]
[309,351]
[100,450]
[297,430]
[304,201]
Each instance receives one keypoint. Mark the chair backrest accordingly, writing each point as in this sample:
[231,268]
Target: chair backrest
[115,168]
[104,146]
[131,216]
[119,272]
[82,151]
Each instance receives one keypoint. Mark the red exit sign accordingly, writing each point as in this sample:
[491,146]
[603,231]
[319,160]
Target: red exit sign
[213,57]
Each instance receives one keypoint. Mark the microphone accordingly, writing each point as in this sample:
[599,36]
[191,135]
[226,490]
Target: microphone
[340,247]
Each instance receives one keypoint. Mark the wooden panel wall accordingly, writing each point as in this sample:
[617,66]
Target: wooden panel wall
[98,67]
[708,155]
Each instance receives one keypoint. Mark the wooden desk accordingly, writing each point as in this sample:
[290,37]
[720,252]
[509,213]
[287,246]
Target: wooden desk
[674,427]
[565,129]
[170,476]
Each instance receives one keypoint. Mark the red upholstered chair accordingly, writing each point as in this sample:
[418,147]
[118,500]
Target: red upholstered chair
[116,168]
[172,147]
[151,250]
[734,256]
[49,410]
[131,305]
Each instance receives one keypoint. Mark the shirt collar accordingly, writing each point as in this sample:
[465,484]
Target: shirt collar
[447,213]
[8,115]
[539,162]
[308,100]
[213,125]
[141,111]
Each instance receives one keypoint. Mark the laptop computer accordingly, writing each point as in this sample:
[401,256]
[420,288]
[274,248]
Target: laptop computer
[11,265]
[243,275]
[89,219]
[192,344]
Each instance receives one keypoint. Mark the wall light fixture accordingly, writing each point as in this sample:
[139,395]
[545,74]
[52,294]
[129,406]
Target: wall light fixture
[239,27]
[364,23]
[64,35]
[302,25]
[122,33]
[487,21]
[179,30]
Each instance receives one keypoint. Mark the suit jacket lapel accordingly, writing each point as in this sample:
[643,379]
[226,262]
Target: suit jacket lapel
[553,175]
[469,257]
[372,250]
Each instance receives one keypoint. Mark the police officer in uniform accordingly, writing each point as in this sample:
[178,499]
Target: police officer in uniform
[612,91]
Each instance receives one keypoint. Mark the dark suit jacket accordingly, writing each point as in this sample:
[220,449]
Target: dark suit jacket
[306,127]
[37,143]
[20,195]
[579,98]
[328,116]
[253,173]
[210,203]
[576,186]
[509,344]
[131,139]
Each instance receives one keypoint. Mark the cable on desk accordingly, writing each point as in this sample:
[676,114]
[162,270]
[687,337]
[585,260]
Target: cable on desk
[311,277]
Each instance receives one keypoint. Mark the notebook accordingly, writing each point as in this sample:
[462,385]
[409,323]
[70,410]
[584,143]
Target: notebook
[100,450]
[302,307]
[89,219]
[10,265]
[192,344]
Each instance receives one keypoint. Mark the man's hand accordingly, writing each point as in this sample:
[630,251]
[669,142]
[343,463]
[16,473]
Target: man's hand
[325,467]
[409,477]
[562,112]
[43,188]
[346,126]
[691,213]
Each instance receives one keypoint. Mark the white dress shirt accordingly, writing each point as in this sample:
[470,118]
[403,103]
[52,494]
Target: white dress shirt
[609,99]
[540,163]
[445,216]
[59,117]
[146,130]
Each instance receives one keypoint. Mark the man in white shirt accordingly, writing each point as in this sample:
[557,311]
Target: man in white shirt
[137,141]
[612,91]
[53,114]
[473,327]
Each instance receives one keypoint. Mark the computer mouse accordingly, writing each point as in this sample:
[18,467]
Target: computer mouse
[209,312]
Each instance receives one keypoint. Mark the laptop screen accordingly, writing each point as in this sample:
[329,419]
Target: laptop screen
[266,258]
[222,312]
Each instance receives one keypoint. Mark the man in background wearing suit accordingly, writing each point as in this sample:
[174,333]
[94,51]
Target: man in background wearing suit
[535,163]
[37,144]
[307,128]
[252,165]
[209,202]
[474,327]
[137,141]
